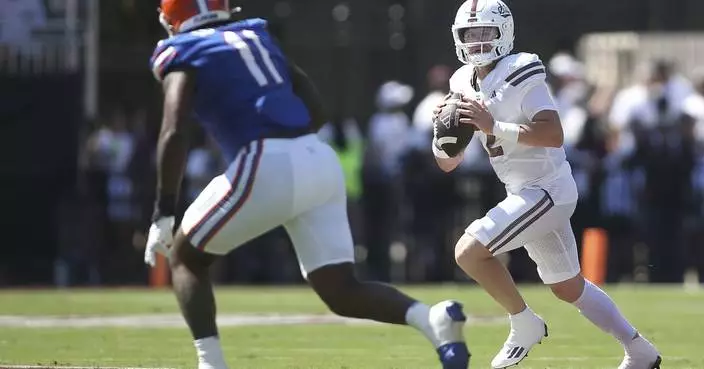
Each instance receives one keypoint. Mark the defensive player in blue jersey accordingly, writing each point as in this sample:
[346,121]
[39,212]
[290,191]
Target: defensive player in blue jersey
[263,111]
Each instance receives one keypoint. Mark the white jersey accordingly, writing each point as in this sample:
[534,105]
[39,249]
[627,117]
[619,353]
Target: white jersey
[506,92]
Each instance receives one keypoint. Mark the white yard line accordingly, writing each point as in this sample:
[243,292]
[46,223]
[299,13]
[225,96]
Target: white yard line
[176,321]
[67,367]
[588,358]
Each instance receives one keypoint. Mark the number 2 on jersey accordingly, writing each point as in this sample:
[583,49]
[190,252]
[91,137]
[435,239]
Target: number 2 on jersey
[237,40]
[493,151]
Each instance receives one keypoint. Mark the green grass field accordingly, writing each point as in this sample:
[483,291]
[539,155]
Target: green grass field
[669,316]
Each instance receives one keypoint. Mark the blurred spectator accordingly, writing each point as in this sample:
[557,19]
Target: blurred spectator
[438,80]
[693,105]
[18,19]
[143,172]
[347,140]
[430,194]
[649,117]
[696,233]
[110,151]
[656,102]
[571,94]
[387,140]
[389,127]
[584,138]
[618,203]
[203,164]
[694,112]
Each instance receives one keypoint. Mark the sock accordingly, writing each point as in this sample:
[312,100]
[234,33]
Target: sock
[527,316]
[209,353]
[418,316]
[598,307]
[526,320]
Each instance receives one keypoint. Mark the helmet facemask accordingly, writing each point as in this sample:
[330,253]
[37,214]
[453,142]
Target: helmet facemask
[477,44]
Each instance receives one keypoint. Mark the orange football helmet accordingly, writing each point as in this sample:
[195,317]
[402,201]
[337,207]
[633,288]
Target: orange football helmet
[183,15]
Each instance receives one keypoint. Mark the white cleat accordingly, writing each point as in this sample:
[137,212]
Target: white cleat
[447,321]
[526,331]
[641,354]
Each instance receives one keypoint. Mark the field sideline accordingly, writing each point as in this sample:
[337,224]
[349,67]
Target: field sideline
[275,328]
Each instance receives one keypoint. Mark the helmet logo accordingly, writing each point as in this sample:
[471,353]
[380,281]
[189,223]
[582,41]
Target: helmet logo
[501,11]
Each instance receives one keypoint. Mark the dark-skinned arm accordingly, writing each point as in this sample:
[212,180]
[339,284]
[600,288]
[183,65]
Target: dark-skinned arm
[304,88]
[172,148]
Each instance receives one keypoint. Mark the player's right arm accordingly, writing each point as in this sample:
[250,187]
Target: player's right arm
[175,72]
[458,82]
[172,147]
[445,162]
[449,164]
[178,83]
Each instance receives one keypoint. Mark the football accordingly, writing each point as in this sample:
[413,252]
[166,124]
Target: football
[452,136]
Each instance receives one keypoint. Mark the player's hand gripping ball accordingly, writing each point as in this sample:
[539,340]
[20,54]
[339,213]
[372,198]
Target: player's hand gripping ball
[451,136]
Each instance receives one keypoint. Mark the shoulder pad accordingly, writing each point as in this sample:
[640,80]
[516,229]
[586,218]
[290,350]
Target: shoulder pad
[161,59]
[246,23]
[181,50]
[524,70]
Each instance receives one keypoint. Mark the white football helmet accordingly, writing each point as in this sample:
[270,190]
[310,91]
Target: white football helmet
[485,47]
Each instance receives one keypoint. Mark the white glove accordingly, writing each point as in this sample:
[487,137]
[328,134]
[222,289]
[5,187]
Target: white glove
[161,236]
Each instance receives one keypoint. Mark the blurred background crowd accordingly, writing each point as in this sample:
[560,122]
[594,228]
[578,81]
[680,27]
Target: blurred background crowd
[80,112]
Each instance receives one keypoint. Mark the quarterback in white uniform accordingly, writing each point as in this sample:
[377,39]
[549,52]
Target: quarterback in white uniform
[506,98]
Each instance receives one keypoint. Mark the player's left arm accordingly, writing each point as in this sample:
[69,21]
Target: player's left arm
[545,127]
[304,88]
[171,154]
[172,148]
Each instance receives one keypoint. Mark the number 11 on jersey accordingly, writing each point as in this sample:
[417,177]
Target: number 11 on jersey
[237,40]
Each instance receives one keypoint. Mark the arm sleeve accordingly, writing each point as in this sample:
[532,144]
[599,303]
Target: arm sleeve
[536,99]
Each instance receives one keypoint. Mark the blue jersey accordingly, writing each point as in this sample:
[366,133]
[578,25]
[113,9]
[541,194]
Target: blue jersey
[243,87]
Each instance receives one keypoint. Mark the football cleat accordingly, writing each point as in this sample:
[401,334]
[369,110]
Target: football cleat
[641,354]
[447,320]
[523,337]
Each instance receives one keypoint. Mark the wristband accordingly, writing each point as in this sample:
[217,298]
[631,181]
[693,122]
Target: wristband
[164,206]
[506,131]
